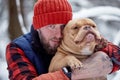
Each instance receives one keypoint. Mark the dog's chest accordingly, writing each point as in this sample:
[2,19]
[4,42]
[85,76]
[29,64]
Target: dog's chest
[86,51]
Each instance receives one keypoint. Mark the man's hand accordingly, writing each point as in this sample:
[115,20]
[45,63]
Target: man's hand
[99,64]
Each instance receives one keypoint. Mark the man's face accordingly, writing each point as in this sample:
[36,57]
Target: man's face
[50,37]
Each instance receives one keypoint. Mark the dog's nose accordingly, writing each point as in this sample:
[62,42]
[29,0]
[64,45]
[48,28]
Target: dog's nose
[87,28]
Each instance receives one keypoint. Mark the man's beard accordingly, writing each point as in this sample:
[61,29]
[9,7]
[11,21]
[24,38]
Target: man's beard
[47,47]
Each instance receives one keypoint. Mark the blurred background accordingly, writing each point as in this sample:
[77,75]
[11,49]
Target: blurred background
[16,19]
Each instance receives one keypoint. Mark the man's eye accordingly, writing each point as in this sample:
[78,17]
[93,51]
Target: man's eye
[52,26]
[62,27]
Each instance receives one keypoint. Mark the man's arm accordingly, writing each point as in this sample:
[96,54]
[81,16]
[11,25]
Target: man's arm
[113,51]
[20,68]
[99,64]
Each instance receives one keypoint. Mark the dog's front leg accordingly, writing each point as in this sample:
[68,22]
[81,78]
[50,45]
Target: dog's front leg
[73,62]
[62,60]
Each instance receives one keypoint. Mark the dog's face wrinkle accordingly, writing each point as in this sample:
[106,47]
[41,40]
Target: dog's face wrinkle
[67,48]
[70,38]
[79,37]
[93,31]
[83,53]
[71,31]
[74,30]
[80,27]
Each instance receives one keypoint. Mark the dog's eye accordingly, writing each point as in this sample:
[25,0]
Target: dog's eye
[93,26]
[75,27]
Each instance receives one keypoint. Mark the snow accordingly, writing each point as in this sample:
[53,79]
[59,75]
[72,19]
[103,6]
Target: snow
[3,70]
[97,11]
[103,15]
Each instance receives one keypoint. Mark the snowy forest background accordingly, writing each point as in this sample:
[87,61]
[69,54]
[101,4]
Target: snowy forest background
[16,19]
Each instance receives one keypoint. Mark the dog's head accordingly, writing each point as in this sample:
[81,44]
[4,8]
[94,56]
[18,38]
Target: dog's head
[80,36]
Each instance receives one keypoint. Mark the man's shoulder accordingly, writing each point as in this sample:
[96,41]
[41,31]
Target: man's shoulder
[23,41]
[22,38]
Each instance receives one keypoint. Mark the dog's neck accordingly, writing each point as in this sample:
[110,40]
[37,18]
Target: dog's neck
[62,50]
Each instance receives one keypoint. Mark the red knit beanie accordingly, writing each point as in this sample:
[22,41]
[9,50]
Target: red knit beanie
[51,12]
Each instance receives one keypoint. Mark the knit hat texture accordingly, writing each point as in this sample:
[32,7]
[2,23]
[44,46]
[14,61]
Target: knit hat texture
[48,12]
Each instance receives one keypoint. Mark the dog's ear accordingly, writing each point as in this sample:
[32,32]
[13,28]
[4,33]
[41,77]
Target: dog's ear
[101,44]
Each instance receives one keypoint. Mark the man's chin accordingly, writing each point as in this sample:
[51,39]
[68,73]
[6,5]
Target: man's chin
[54,45]
[52,49]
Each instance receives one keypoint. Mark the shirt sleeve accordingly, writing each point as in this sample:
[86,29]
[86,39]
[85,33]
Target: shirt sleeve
[57,75]
[19,67]
[113,51]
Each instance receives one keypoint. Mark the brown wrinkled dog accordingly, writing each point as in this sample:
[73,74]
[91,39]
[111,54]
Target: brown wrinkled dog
[80,38]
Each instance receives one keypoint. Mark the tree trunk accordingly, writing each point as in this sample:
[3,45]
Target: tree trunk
[22,13]
[14,27]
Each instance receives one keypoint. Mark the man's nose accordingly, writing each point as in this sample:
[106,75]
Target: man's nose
[59,34]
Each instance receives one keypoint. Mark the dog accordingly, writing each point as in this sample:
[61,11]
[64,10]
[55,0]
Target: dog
[80,37]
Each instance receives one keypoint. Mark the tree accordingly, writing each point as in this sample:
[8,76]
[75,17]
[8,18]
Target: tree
[26,7]
[14,28]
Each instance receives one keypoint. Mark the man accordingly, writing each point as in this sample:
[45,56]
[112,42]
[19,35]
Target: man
[28,57]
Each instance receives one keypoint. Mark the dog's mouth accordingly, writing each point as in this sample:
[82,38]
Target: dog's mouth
[88,37]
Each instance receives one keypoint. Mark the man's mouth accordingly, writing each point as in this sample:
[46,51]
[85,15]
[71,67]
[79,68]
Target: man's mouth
[56,41]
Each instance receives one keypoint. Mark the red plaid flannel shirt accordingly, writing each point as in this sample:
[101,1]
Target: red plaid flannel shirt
[113,52]
[24,70]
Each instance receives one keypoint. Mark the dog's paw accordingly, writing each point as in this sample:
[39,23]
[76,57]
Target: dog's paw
[75,63]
